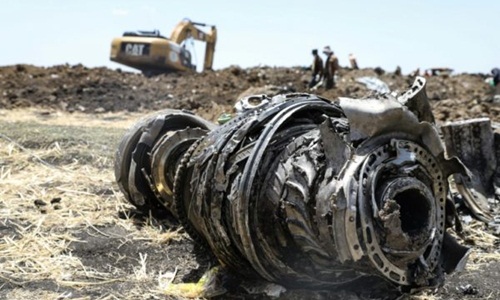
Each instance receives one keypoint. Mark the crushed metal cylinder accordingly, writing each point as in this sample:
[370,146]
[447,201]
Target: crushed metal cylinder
[302,191]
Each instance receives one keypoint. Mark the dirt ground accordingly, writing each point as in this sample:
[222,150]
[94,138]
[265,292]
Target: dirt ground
[98,90]
[66,231]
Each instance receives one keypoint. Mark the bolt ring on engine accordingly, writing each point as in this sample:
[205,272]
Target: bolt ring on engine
[419,161]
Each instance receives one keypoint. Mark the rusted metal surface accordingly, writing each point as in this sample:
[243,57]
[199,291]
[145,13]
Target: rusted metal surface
[299,190]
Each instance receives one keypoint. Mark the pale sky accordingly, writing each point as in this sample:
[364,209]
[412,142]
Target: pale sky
[448,33]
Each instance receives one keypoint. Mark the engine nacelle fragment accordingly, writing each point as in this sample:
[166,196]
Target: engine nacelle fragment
[306,192]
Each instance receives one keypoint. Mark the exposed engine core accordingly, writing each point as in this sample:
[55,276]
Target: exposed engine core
[304,191]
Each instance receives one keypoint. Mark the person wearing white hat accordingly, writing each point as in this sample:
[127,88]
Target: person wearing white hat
[331,67]
[353,61]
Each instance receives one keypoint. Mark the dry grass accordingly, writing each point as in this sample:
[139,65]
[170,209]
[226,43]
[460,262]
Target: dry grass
[425,296]
[475,231]
[85,198]
[38,255]
[484,243]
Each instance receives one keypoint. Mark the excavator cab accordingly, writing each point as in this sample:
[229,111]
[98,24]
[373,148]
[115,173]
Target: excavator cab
[186,57]
[152,53]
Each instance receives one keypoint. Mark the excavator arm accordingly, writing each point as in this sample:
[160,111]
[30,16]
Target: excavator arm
[187,29]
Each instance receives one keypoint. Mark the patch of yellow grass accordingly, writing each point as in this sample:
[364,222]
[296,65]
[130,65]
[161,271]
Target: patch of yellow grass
[475,231]
[30,294]
[37,255]
[424,296]
[484,251]
[25,180]
[37,247]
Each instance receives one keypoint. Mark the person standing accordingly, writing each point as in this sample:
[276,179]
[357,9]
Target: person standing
[495,81]
[496,76]
[398,71]
[331,68]
[353,61]
[317,68]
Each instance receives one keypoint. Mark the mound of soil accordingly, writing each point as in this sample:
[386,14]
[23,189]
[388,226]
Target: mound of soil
[78,88]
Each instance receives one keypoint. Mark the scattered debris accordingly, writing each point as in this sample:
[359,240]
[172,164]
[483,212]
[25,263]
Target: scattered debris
[374,84]
[468,290]
[39,203]
[55,200]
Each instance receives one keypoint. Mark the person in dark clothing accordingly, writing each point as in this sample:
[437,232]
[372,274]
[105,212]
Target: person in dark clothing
[317,69]
[331,67]
[398,71]
[496,75]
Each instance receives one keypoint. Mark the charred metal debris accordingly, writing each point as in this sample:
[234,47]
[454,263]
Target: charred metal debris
[301,191]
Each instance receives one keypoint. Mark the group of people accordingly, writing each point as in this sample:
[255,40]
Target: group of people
[324,73]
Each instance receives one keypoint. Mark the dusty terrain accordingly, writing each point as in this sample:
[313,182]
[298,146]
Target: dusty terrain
[65,229]
[97,90]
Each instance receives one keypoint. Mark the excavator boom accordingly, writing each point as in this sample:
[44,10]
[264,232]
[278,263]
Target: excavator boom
[187,29]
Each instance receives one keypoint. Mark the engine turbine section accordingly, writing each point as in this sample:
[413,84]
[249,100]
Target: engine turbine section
[305,191]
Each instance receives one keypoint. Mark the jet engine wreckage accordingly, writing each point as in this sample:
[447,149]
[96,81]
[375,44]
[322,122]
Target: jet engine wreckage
[301,191]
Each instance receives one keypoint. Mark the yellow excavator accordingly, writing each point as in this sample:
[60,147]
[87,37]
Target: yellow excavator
[153,54]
